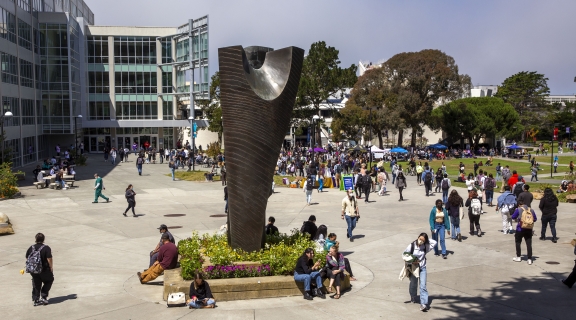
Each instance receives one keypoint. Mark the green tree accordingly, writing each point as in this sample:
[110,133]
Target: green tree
[417,81]
[526,91]
[476,118]
[212,109]
[347,123]
[322,77]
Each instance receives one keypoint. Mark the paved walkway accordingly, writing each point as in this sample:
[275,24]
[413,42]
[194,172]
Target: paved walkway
[97,252]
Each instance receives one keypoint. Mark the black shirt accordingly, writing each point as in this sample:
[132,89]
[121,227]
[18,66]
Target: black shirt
[310,228]
[45,254]
[271,229]
[202,292]
[304,265]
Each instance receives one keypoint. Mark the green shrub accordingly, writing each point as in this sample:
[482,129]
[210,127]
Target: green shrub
[280,253]
[562,196]
[8,180]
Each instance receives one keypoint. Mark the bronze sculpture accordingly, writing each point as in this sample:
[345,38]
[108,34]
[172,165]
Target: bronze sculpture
[258,89]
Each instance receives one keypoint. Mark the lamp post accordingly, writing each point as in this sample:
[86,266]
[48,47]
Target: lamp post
[554,136]
[192,124]
[76,136]
[370,144]
[5,116]
[314,120]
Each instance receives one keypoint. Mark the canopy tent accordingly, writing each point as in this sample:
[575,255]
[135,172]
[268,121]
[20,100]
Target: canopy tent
[317,150]
[375,149]
[438,146]
[515,147]
[398,150]
[357,149]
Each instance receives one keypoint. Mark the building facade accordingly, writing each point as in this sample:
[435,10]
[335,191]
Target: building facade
[67,81]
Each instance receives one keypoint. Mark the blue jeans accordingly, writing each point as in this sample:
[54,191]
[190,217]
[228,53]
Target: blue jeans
[440,230]
[498,176]
[413,289]
[172,171]
[445,195]
[113,160]
[198,304]
[307,279]
[139,166]
[454,227]
[321,185]
[393,178]
[489,196]
[308,196]
[351,221]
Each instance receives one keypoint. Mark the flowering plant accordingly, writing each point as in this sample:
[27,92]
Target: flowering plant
[236,271]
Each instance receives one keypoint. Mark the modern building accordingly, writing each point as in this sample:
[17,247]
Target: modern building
[67,81]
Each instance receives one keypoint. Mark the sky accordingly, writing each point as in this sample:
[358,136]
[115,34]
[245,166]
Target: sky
[490,40]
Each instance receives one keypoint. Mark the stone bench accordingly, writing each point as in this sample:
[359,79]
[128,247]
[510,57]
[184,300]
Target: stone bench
[40,185]
[571,198]
[20,176]
[243,288]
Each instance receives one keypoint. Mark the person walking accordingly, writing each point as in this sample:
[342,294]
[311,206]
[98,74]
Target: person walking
[569,282]
[534,172]
[98,187]
[39,265]
[366,186]
[506,204]
[172,167]
[489,185]
[139,163]
[419,170]
[439,177]
[401,185]
[445,185]
[427,176]
[320,178]
[223,173]
[506,175]
[526,218]
[308,188]
[571,165]
[474,205]
[131,198]
[350,212]
[455,206]
[113,154]
[439,224]
[382,179]
[419,248]
[549,207]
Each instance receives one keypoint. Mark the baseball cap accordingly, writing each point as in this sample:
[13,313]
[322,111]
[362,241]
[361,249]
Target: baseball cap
[163,226]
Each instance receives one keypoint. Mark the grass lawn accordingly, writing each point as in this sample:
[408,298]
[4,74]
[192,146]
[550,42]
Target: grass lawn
[191,176]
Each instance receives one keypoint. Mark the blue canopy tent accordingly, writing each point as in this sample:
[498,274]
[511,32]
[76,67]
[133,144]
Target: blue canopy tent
[398,150]
[438,146]
[515,147]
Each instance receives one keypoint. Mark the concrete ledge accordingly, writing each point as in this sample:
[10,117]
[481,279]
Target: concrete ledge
[243,288]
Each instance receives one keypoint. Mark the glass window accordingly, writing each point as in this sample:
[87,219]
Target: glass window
[99,110]
[136,110]
[98,49]
[7,25]
[135,50]
[136,82]
[26,74]
[27,112]
[9,68]
[24,35]
[98,82]
[167,82]
[167,110]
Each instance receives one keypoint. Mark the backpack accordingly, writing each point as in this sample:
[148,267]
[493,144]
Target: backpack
[498,168]
[139,160]
[34,261]
[445,184]
[428,177]
[476,206]
[170,165]
[366,181]
[526,220]
[310,183]
[490,184]
[338,169]
[518,189]
[506,174]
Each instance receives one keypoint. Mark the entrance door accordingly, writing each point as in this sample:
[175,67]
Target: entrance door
[145,141]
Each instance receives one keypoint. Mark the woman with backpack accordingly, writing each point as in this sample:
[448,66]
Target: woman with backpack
[419,248]
[453,206]
[308,187]
[445,185]
[526,218]
[438,178]
[401,184]
[439,224]
[131,198]
[474,205]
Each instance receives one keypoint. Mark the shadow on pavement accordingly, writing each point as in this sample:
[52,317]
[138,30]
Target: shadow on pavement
[61,299]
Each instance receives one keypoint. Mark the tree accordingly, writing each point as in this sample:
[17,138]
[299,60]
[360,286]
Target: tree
[476,118]
[212,109]
[417,81]
[322,77]
[526,91]
[347,123]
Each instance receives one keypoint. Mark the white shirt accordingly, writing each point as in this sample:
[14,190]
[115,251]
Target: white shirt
[421,251]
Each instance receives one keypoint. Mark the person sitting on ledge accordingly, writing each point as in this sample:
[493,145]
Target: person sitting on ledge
[335,266]
[306,271]
[309,227]
[200,294]
[167,259]
[331,241]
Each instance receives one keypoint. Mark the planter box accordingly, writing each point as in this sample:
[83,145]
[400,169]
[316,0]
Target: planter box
[243,288]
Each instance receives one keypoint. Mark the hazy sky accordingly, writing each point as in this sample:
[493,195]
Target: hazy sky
[490,40]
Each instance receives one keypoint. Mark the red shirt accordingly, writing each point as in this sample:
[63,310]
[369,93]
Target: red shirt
[168,256]
[512,181]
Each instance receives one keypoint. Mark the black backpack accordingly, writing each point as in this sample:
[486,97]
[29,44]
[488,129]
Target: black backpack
[518,189]
[310,183]
[445,184]
[428,177]
[34,261]
[139,160]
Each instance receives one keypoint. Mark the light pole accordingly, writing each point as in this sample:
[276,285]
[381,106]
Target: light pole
[76,136]
[554,135]
[314,121]
[192,124]
[370,144]
[5,116]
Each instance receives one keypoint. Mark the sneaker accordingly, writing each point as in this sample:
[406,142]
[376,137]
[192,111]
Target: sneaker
[422,307]
[307,296]
[554,240]
[517,259]
[107,200]
[542,238]
[444,256]
[413,299]
[43,301]
[529,261]
[38,303]
[504,232]
[139,274]
[459,237]
[320,294]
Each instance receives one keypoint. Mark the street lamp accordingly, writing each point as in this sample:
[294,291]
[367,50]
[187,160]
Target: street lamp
[192,124]
[315,119]
[76,136]
[554,136]
[5,116]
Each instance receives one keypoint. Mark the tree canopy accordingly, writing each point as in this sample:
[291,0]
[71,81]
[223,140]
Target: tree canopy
[526,91]
[475,118]
[415,82]
[212,109]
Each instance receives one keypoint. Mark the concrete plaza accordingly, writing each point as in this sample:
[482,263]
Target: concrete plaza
[97,253]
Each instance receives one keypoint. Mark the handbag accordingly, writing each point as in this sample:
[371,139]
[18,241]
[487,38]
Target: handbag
[461,213]
[177,299]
